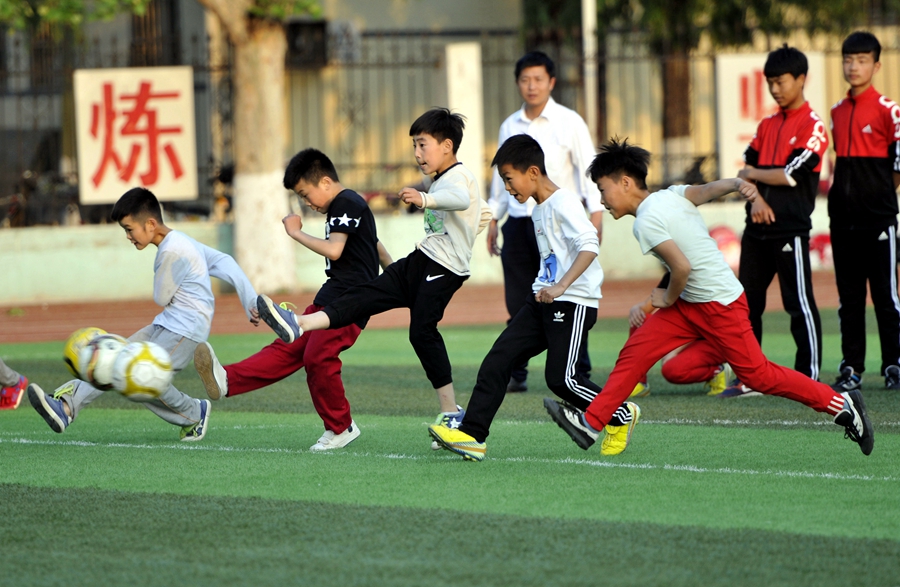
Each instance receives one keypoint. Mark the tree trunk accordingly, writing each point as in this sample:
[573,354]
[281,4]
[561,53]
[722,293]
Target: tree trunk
[261,246]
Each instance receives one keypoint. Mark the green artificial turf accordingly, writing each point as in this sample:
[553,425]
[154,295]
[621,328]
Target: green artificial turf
[713,492]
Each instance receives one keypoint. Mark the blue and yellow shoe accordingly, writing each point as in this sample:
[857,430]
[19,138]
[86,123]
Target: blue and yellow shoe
[458,442]
[279,318]
[51,408]
[719,382]
[450,420]
[618,437]
[197,431]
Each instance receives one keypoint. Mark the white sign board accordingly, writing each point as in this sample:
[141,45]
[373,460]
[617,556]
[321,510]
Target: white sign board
[135,128]
[743,100]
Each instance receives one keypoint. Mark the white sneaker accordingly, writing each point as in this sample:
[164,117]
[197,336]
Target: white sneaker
[211,372]
[331,441]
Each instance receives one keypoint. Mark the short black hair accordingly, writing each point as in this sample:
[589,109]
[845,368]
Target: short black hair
[522,152]
[786,60]
[536,59]
[310,165]
[137,203]
[616,159]
[861,42]
[442,125]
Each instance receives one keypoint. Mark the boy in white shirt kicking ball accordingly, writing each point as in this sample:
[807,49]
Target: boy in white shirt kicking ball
[704,300]
[181,286]
[556,319]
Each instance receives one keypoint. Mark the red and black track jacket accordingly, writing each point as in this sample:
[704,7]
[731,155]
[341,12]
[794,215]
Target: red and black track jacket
[866,131]
[794,140]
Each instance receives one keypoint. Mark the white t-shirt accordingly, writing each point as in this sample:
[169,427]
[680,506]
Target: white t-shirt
[563,231]
[568,152]
[181,284]
[666,215]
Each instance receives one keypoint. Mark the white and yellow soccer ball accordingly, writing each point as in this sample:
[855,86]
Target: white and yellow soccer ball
[77,341]
[142,371]
[96,359]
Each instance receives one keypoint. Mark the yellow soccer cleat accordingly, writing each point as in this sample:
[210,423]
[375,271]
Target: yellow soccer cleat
[459,442]
[641,390]
[617,437]
[720,380]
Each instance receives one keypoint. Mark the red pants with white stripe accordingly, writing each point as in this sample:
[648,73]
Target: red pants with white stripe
[318,352]
[728,329]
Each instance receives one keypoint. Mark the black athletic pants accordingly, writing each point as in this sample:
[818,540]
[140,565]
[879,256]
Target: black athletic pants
[860,256]
[415,282]
[559,328]
[788,257]
[521,262]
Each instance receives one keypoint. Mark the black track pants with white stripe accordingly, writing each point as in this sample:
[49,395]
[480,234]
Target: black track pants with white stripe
[860,256]
[559,328]
[788,257]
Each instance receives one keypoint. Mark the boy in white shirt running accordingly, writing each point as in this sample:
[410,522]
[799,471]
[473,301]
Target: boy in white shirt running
[181,286]
[704,300]
[558,315]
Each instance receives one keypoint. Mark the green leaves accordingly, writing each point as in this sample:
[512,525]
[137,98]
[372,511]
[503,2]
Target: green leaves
[21,14]
[281,9]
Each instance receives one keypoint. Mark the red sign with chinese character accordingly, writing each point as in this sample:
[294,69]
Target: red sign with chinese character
[135,127]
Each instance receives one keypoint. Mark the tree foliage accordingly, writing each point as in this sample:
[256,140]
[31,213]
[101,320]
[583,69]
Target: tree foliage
[22,14]
[678,25]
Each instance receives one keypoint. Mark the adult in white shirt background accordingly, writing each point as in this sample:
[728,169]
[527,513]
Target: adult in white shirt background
[568,150]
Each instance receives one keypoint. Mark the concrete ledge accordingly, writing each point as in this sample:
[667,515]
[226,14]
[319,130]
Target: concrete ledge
[96,262]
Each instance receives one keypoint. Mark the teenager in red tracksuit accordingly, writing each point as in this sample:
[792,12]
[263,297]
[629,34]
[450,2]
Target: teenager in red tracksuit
[784,160]
[862,205]
[352,253]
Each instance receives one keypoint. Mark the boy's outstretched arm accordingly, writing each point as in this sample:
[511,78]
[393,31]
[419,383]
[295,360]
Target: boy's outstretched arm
[679,270]
[701,194]
[331,247]
[582,261]
[223,266]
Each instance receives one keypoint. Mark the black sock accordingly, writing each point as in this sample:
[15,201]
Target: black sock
[621,416]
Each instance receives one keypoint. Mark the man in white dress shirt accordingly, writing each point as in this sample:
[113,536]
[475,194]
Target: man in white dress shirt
[568,150]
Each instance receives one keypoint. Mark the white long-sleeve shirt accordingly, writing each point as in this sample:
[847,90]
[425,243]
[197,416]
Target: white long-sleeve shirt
[181,285]
[454,215]
[563,231]
[568,152]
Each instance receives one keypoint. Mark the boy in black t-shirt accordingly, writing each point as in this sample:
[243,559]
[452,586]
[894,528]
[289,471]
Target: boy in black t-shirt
[862,205]
[352,254]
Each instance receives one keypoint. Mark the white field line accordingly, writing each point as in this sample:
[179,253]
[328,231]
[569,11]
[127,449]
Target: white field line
[396,456]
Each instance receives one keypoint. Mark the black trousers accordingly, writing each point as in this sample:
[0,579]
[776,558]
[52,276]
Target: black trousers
[521,262]
[559,328]
[415,282]
[761,260]
[860,256]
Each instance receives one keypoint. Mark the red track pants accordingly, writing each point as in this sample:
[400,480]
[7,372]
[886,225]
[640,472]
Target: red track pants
[728,329]
[318,352]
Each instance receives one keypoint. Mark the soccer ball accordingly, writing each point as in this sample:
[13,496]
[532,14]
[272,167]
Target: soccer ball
[142,371]
[77,341]
[96,359]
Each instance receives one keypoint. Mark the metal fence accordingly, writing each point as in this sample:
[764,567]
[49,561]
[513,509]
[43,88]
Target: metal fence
[38,182]
[358,101]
